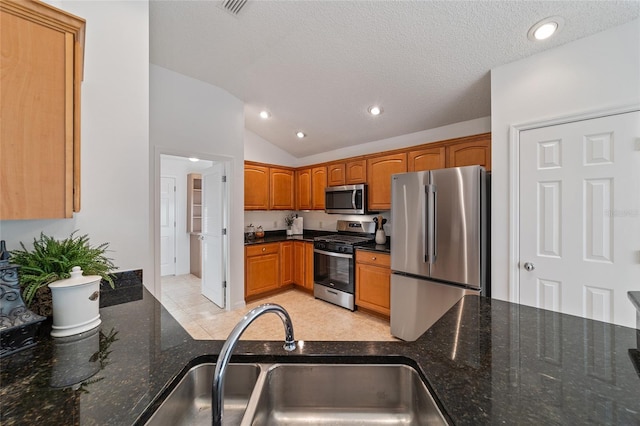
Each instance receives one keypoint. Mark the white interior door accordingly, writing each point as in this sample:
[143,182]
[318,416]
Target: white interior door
[580,217]
[167,226]
[213,239]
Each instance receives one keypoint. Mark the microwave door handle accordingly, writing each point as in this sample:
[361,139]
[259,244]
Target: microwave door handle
[353,199]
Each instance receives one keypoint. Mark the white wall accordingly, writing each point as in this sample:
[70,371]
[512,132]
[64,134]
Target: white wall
[258,149]
[178,168]
[114,138]
[594,73]
[192,118]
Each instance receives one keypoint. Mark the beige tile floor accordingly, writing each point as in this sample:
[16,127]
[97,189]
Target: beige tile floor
[312,319]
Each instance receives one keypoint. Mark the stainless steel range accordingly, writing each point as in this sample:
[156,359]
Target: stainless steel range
[334,265]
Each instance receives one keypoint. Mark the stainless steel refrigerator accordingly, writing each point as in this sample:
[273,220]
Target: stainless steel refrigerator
[439,244]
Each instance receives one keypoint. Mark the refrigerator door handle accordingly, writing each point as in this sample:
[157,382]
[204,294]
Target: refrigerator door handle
[429,189]
[425,222]
[434,221]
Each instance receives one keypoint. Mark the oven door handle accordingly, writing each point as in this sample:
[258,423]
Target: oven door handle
[334,254]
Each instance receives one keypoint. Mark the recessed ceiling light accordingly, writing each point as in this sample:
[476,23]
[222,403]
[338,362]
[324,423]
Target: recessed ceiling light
[546,28]
[300,135]
[375,110]
[194,159]
[265,114]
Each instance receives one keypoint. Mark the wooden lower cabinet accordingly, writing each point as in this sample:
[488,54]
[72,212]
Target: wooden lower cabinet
[286,262]
[308,266]
[276,266]
[262,269]
[373,281]
[303,264]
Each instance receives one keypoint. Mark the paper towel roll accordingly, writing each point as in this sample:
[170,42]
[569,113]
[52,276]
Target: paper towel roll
[297,227]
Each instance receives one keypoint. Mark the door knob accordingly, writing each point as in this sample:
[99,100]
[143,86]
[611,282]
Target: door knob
[529,266]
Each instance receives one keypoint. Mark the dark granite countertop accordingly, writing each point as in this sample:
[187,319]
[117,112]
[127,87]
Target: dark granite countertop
[486,361]
[379,248]
[278,236]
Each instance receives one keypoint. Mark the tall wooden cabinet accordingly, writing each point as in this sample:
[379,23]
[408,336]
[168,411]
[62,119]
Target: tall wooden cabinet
[256,187]
[42,54]
[303,189]
[318,184]
[281,189]
[379,171]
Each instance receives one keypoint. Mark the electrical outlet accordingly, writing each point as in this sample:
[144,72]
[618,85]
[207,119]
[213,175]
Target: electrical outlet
[275,223]
[320,225]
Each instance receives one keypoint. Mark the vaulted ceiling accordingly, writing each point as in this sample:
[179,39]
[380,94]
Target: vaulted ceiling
[317,66]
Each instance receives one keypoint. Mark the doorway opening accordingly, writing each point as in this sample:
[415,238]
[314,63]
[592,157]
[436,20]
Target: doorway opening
[193,217]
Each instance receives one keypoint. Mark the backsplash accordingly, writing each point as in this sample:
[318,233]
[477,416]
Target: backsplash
[271,220]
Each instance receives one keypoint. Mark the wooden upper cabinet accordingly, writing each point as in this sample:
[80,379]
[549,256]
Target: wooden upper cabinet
[42,54]
[356,172]
[281,189]
[475,150]
[379,171]
[318,184]
[426,159]
[303,189]
[256,187]
[335,174]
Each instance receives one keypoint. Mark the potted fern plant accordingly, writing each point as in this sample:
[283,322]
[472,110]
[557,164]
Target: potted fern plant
[51,260]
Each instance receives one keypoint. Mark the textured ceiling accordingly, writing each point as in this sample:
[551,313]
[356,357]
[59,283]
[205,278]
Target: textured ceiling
[318,65]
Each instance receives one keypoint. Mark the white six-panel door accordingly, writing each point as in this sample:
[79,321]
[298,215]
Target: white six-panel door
[213,239]
[580,217]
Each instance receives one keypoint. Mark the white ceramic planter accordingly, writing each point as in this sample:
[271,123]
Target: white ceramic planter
[76,304]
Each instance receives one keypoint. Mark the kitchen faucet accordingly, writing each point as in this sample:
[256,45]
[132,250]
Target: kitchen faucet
[217,396]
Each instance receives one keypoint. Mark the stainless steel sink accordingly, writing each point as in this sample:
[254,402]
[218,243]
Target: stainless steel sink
[190,402]
[330,394]
[304,394]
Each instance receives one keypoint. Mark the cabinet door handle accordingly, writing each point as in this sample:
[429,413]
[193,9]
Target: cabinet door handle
[373,258]
[264,249]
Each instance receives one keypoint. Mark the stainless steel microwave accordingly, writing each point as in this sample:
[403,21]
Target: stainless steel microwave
[346,199]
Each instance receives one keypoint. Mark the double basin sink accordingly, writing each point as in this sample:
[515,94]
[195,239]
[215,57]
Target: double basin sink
[303,394]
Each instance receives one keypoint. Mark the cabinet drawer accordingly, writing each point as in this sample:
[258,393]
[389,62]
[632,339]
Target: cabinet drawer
[260,249]
[373,258]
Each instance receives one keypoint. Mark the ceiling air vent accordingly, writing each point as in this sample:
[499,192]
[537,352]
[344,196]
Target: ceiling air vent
[233,6]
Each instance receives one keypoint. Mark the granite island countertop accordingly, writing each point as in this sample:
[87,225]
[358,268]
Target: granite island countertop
[486,361]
